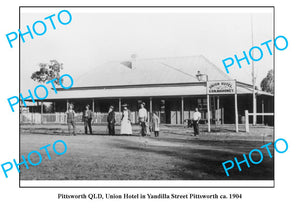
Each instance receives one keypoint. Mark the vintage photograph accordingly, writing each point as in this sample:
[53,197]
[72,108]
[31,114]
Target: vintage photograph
[143,94]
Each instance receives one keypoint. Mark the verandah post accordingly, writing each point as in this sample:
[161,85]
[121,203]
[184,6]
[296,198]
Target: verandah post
[246,120]
[182,110]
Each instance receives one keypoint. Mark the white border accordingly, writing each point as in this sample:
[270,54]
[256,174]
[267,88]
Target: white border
[158,9]
[144,184]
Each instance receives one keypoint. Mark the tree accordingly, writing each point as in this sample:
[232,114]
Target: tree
[48,72]
[267,84]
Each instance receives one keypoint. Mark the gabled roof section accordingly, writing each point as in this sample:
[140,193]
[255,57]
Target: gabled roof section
[151,71]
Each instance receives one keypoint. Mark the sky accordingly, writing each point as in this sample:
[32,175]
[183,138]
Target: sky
[99,35]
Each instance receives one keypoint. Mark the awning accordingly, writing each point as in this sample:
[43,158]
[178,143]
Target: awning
[133,92]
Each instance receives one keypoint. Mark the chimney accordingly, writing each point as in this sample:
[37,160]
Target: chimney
[133,61]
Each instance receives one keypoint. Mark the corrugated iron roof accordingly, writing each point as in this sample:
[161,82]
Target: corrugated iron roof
[147,78]
[151,71]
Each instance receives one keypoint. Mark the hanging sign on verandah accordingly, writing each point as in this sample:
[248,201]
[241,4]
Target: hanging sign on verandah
[221,87]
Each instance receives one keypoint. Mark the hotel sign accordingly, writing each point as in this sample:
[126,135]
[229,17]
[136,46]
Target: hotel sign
[221,87]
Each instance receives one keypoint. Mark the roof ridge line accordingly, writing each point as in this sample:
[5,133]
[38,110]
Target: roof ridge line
[217,68]
[178,70]
[172,57]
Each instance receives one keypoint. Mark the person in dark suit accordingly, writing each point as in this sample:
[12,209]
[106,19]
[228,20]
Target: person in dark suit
[111,121]
[87,117]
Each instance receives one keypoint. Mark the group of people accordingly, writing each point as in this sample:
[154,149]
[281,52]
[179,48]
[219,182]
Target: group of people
[126,128]
[87,117]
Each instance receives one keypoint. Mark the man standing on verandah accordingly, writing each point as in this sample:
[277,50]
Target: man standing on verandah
[143,119]
[196,119]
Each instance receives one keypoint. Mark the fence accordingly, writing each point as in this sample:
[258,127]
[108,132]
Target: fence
[100,118]
[247,114]
[216,116]
[61,118]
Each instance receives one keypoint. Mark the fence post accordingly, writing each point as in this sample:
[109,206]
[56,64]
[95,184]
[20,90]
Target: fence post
[246,121]
[222,114]
[56,118]
[42,109]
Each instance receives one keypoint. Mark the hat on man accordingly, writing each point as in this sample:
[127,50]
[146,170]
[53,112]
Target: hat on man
[111,107]
[124,105]
[143,103]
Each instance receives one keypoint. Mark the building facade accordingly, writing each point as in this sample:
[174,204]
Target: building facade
[168,86]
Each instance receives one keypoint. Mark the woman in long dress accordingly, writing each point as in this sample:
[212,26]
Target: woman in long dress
[126,128]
